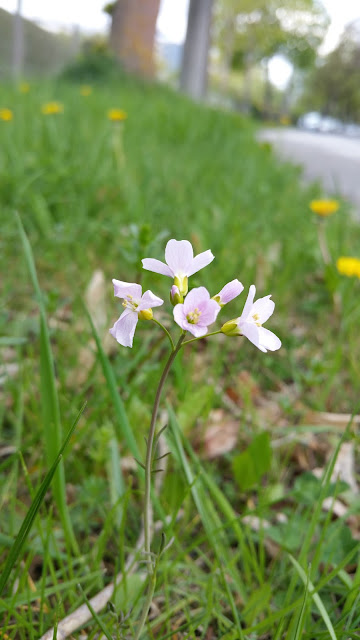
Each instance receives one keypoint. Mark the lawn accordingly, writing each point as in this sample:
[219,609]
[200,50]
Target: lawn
[265,533]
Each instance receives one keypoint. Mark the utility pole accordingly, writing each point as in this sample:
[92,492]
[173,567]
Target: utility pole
[193,77]
[18,43]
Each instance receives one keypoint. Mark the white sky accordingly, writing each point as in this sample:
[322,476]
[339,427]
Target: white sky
[89,16]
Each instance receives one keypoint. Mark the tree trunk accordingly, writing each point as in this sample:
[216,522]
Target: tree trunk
[18,42]
[132,34]
[268,92]
[193,79]
[247,84]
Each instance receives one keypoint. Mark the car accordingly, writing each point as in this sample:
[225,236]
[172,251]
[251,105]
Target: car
[352,130]
[330,125]
[316,121]
[310,121]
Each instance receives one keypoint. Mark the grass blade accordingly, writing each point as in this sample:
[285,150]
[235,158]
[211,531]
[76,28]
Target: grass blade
[95,615]
[35,506]
[49,398]
[301,618]
[123,427]
[208,515]
[315,596]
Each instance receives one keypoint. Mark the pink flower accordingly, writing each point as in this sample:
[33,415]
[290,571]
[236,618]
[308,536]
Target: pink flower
[136,305]
[197,312]
[180,263]
[229,292]
[249,324]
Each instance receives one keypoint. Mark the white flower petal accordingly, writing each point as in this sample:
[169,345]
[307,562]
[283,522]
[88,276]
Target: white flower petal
[251,332]
[151,264]
[268,340]
[194,298]
[196,329]
[124,328]
[249,303]
[200,261]
[264,308]
[149,300]
[179,315]
[124,289]
[209,311]
[179,256]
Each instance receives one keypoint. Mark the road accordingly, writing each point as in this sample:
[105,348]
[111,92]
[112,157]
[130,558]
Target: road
[334,160]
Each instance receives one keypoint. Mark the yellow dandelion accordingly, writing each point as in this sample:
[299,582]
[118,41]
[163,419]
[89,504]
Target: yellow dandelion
[6,115]
[117,115]
[86,90]
[324,207]
[50,108]
[348,266]
[24,87]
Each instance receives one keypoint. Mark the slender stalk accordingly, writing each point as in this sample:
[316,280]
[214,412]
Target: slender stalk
[324,249]
[213,333]
[151,568]
[165,331]
[326,256]
[118,147]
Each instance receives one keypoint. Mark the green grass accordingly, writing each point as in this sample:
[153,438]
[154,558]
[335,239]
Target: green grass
[186,172]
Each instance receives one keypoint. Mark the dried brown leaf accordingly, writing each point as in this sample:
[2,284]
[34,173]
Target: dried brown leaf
[221,434]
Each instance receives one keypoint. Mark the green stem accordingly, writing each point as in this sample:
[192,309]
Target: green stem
[213,333]
[147,501]
[324,249]
[166,331]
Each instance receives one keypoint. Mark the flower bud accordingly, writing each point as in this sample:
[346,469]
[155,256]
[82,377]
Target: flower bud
[217,299]
[182,283]
[230,328]
[175,295]
[230,291]
[146,314]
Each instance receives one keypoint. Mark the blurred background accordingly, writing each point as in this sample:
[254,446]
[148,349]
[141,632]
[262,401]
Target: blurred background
[276,59]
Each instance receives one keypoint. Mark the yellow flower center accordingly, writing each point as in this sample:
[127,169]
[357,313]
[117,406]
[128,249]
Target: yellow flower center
[256,319]
[194,316]
[130,303]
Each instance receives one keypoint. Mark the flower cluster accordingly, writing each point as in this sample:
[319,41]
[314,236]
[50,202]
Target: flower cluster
[195,310]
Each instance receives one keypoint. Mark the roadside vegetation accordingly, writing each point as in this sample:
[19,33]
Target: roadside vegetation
[260,492]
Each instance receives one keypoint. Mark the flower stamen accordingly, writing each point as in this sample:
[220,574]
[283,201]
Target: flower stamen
[130,303]
[194,316]
[256,318]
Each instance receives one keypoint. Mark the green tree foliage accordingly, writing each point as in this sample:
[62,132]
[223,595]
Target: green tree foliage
[260,29]
[334,86]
